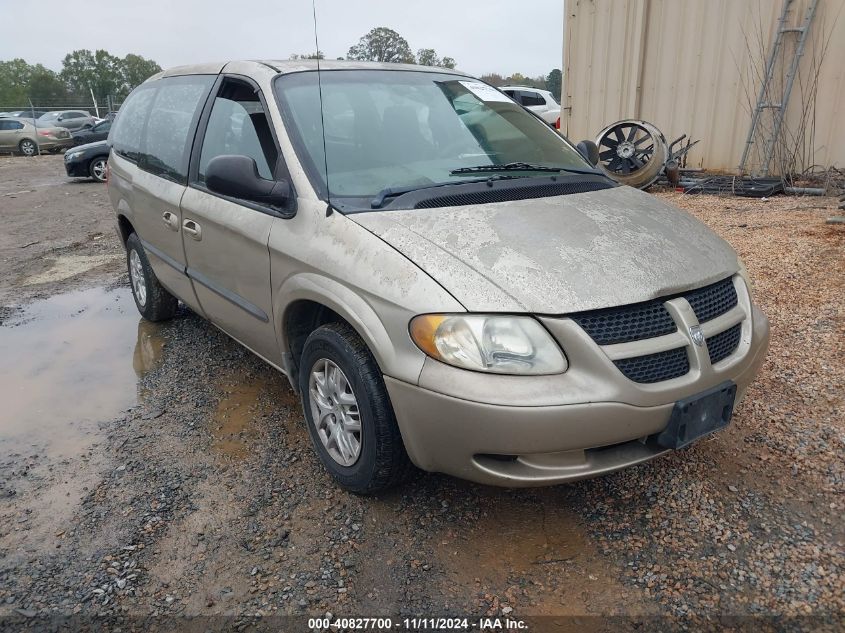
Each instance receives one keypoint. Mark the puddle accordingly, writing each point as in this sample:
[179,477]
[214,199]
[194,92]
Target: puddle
[69,362]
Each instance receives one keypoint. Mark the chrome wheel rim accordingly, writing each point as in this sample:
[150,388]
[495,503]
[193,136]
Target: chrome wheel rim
[28,148]
[136,275]
[99,170]
[334,412]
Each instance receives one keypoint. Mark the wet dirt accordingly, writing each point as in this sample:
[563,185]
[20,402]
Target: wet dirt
[67,363]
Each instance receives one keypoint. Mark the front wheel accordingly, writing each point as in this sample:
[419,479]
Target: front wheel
[28,147]
[151,298]
[97,169]
[348,412]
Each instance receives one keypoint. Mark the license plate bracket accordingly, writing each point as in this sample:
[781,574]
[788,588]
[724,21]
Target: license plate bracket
[699,415]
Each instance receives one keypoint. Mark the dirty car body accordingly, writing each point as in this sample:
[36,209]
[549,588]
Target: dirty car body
[443,278]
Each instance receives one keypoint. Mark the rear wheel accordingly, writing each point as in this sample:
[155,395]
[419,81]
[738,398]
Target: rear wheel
[153,301]
[28,147]
[97,168]
[348,412]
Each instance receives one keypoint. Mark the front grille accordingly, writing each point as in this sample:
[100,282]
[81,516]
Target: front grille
[626,323]
[711,301]
[655,367]
[723,344]
[651,319]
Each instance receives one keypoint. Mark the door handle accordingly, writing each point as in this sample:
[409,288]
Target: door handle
[170,220]
[193,229]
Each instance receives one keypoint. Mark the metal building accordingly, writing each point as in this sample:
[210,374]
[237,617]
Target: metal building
[696,66]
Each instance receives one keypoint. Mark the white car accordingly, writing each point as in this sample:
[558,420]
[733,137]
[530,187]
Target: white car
[542,102]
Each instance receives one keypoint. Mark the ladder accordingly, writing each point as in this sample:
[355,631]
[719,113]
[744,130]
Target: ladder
[765,100]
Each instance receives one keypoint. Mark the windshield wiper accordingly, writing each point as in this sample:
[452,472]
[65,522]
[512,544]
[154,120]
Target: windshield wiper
[392,192]
[519,167]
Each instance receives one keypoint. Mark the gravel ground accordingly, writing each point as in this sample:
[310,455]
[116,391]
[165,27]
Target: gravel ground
[201,497]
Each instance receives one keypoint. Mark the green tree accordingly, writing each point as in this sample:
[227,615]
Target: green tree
[428,57]
[554,82]
[317,55]
[99,72]
[494,79]
[135,70]
[382,45]
[45,85]
[20,82]
[14,80]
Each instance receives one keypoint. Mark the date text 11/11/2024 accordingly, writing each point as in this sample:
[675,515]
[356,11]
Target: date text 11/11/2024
[418,624]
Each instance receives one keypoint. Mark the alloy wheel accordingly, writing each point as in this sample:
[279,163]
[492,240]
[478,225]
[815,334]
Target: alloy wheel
[28,148]
[334,412]
[136,276]
[98,169]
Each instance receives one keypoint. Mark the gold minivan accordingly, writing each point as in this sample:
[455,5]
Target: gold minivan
[445,280]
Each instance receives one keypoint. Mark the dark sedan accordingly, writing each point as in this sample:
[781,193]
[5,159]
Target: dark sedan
[88,161]
[97,133]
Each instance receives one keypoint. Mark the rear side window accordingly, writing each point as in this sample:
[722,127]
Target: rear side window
[125,136]
[166,141]
[531,99]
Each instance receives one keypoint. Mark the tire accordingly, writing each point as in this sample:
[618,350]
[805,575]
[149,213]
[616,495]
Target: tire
[381,462]
[152,300]
[28,147]
[97,168]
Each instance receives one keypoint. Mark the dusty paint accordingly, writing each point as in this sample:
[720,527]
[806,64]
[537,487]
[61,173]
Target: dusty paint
[561,254]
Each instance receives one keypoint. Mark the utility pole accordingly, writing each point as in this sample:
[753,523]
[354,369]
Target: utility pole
[35,123]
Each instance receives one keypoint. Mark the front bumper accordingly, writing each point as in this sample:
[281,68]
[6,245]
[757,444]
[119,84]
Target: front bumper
[77,168]
[530,431]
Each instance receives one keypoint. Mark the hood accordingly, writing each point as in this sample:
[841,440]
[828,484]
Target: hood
[558,255]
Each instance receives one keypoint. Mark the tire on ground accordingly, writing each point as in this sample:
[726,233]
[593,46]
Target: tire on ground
[159,304]
[383,462]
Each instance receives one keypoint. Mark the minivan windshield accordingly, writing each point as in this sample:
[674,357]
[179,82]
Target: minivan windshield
[401,130]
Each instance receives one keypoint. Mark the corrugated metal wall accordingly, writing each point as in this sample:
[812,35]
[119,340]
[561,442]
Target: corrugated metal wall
[685,66]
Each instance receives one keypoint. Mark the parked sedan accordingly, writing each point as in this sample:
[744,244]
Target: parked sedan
[70,119]
[24,114]
[97,133]
[18,135]
[88,161]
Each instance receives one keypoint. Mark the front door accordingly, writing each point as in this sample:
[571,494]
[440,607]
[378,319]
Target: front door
[226,240]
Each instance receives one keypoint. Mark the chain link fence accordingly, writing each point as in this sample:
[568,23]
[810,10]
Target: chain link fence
[99,107]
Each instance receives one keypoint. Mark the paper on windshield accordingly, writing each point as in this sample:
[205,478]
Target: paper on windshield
[484,92]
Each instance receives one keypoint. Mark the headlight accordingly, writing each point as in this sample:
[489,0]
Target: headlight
[491,343]
[73,155]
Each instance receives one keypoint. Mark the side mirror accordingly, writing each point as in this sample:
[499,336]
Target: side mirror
[237,177]
[590,151]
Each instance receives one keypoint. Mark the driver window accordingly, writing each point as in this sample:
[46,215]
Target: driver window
[238,125]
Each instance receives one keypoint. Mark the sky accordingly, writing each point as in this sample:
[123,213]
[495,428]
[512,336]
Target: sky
[503,36]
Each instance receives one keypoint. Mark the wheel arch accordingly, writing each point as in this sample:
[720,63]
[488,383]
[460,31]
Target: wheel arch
[308,301]
[124,226]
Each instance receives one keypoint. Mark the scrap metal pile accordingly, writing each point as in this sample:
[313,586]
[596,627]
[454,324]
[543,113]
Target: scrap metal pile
[634,152]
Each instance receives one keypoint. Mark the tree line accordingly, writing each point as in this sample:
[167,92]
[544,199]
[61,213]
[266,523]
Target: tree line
[382,44]
[82,73]
[107,75]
